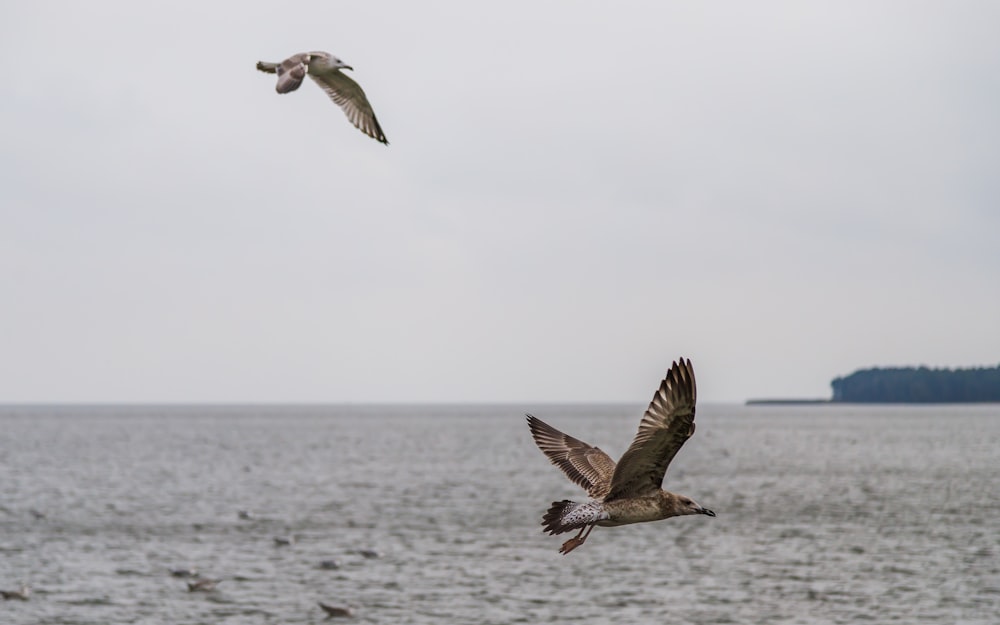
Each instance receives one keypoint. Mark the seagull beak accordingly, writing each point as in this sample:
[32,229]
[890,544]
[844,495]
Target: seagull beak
[347,67]
[707,512]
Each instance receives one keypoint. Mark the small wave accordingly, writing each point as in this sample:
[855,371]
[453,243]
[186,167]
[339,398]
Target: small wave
[90,601]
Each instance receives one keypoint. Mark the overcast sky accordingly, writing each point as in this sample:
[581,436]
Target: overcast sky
[574,194]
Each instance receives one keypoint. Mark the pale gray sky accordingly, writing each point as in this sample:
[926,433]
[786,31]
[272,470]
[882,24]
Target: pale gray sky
[575,194]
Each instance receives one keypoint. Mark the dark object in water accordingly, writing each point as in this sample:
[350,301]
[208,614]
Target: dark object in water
[20,594]
[336,610]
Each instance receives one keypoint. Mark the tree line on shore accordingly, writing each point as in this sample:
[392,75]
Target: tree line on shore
[918,385]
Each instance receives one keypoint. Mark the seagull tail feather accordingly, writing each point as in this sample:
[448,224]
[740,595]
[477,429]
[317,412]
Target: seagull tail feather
[268,68]
[566,516]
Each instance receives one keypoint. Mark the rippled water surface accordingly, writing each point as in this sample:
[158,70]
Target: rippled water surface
[825,515]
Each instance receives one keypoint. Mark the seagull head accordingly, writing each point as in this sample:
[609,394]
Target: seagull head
[327,61]
[690,506]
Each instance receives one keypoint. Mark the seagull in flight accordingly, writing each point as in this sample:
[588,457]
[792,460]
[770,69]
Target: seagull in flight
[324,69]
[629,491]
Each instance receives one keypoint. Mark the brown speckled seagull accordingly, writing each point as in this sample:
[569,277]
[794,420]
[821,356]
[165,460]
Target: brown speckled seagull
[324,69]
[629,492]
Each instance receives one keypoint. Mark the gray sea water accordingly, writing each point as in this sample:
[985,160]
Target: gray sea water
[826,514]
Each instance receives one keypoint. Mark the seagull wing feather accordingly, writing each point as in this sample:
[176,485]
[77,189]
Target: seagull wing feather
[291,72]
[583,464]
[349,96]
[666,425]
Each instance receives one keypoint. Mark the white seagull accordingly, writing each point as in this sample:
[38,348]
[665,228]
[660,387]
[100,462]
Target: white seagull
[324,69]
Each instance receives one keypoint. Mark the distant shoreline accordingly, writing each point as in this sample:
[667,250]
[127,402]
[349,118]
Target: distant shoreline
[919,385]
[785,402]
[814,402]
[907,385]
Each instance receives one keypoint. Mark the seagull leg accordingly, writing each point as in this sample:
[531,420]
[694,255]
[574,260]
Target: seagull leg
[577,540]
